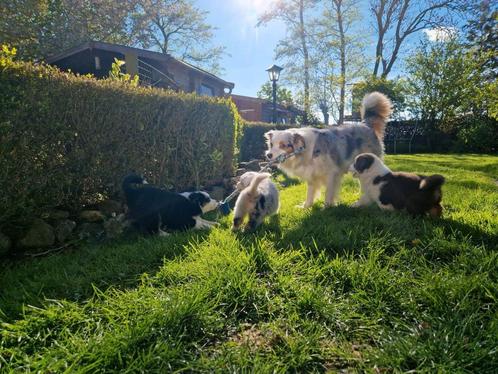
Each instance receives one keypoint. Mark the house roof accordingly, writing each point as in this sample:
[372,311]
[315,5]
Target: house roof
[138,51]
[280,107]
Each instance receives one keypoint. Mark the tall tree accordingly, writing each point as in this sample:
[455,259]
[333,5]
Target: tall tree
[482,33]
[295,48]
[338,39]
[444,80]
[396,20]
[43,27]
[323,89]
[179,28]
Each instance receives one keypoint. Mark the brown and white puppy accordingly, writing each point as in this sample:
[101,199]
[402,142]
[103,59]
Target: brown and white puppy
[258,199]
[417,194]
[329,152]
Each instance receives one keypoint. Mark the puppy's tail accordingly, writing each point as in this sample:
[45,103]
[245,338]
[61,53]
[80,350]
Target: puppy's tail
[131,180]
[431,183]
[253,186]
[375,110]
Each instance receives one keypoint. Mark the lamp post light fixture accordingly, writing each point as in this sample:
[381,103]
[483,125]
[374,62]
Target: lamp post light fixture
[274,74]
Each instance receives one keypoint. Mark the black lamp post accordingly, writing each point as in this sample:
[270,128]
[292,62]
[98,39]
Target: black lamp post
[274,74]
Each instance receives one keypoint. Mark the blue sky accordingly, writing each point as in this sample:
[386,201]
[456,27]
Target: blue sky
[251,49]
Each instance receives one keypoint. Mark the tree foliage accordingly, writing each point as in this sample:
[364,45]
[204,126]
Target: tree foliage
[482,31]
[39,28]
[176,27]
[444,82]
[395,89]
[339,56]
[284,95]
[451,92]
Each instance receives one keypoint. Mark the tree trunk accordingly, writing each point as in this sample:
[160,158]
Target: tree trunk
[342,94]
[380,38]
[325,112]
[387,68]
[304,46]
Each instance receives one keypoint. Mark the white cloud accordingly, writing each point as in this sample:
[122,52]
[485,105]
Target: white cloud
[440,34]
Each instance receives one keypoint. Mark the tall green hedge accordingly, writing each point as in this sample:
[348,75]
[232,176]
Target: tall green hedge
[253,143]
[68,140]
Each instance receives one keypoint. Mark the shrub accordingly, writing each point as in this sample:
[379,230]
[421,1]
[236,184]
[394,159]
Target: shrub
[252,143]
[477,134]
[68,140]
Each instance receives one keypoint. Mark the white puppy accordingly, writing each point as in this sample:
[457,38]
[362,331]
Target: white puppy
[258,199]
[329,152]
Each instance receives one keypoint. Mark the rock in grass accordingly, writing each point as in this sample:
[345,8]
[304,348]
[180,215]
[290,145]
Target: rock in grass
[5,244]
[56,215]
[39,235]
[115,226]
[90,230]
[64,230]
[92,216]
[110,207]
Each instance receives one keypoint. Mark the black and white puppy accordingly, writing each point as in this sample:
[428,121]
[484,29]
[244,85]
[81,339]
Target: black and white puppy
[417,194]
[154,210]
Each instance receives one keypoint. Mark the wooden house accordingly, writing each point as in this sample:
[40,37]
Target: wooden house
[153,68]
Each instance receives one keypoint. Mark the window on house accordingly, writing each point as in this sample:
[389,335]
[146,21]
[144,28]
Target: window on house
[206,90]
[97,63]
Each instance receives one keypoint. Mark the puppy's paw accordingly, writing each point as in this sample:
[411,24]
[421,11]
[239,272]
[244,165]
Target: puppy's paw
[237,222]
[163,234]
[304,205]
[249,229]
[356,204]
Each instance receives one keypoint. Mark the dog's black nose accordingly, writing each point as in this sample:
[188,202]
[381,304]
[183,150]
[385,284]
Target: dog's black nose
[269,155]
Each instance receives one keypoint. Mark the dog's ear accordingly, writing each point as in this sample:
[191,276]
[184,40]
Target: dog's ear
[298,141]
[269,135]
[363,162]
[432,182]
[198,198]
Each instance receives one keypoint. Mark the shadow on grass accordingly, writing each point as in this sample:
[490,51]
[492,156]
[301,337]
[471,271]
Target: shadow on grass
[472,163]
[283,179]
[344,230]
[73,274]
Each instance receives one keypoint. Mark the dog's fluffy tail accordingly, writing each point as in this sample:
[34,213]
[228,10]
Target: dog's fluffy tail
[375,110]
[432,182]
[253,186]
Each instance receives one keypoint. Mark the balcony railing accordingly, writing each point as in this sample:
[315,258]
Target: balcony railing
[149,75]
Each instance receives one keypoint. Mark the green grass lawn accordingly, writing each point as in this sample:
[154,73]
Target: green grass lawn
[340,290]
